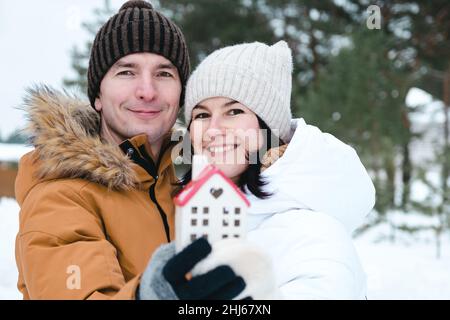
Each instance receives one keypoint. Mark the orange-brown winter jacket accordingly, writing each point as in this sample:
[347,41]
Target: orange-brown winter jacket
[90,216]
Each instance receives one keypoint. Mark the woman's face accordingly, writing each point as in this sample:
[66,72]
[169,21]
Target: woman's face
[226,132]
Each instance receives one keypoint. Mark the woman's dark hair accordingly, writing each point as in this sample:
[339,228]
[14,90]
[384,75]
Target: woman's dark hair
[251,177]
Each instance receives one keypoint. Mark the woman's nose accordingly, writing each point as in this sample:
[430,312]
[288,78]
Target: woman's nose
[215,128]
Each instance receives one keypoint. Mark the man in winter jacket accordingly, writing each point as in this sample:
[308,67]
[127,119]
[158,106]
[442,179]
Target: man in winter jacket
[96,193]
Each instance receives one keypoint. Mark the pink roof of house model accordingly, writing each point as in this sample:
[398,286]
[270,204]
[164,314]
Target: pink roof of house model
[192,187]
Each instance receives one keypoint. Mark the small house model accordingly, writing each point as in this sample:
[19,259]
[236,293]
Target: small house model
[210,206]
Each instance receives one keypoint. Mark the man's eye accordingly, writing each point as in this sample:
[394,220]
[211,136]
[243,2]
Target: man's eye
[201,116]
[165,74]
[125,73]
[234,112]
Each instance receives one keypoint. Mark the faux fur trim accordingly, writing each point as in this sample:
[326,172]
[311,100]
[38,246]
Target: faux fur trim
[65,132]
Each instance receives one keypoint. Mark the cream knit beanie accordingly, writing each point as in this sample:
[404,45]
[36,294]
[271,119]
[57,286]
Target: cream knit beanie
[254,74]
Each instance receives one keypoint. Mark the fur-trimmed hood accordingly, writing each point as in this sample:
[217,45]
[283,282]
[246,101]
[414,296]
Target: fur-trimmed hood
[65,133]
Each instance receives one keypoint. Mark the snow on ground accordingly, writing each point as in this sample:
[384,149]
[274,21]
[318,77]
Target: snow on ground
[9,224]
[405,269]
[13,152]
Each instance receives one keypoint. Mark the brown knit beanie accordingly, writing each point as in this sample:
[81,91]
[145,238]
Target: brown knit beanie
[136,27]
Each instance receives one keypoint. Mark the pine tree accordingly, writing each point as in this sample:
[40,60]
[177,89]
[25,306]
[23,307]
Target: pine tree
[429,30]
[80,57]
[17,136]
[359,97]
[210,25]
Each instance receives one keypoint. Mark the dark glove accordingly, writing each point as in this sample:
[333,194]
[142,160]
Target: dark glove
[165,276]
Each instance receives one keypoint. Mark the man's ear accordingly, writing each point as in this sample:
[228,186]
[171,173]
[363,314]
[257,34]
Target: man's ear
[98,104]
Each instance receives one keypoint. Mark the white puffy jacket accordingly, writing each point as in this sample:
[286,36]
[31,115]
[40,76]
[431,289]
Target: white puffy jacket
[321,193]
[300,244]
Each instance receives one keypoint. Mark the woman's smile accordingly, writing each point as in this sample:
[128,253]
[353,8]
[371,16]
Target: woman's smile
[221,148]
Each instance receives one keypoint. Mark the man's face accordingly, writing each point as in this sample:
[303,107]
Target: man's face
[139,94]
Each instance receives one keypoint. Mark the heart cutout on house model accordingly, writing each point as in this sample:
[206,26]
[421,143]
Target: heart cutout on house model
[216,192]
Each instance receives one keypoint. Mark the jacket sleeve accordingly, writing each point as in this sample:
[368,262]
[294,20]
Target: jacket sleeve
[314,256]
[321,284]
[62,251]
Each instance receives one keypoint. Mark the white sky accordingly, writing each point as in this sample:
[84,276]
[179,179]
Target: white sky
[35,42]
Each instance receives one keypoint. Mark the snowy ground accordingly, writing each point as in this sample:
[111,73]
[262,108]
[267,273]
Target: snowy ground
[406,269]
[9,224]
[13,152]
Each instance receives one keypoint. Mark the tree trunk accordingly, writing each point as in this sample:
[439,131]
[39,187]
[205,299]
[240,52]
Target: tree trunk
[438,232]
[406,174]
[390,168]
[446,164]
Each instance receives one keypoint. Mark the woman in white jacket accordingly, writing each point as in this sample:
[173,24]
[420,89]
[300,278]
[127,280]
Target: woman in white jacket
[305,201]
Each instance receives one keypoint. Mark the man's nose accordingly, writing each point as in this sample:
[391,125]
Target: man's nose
[146,90]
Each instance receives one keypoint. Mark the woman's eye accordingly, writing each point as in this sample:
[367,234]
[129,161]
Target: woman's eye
[201,116]
[234,112]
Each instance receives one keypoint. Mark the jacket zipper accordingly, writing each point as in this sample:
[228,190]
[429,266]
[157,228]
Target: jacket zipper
[148,165]
[161,211]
